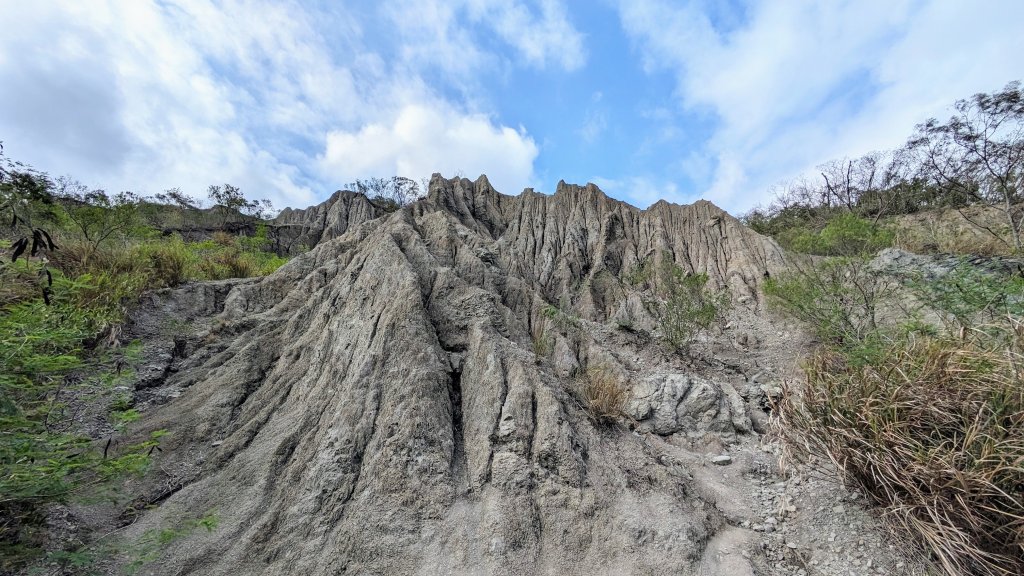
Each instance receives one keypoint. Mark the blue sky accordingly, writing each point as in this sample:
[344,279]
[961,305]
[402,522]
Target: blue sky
[649,99]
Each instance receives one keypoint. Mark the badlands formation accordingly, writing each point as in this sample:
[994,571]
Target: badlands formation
[404,398]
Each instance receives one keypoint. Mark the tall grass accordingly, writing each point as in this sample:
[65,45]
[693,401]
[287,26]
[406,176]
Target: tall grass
[933,433]
[604,394]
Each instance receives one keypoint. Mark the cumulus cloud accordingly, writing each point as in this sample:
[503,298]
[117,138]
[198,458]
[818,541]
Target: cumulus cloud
[795,83]
[146,94]
[128,96]
[423,139]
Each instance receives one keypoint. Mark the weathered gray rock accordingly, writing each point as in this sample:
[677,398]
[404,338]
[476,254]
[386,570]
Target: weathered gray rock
[379,406]
[721,460]
[674,402]
[329,219]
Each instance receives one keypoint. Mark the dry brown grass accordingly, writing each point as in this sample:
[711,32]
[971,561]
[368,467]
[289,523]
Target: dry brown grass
[223,238]
[604,394]
[934,435]
[978,230]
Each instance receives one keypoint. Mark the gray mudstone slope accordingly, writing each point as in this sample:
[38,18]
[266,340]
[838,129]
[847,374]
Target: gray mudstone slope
[379,406]
[330,219]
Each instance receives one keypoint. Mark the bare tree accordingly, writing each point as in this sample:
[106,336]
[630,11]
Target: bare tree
[175,197]
[231,198]
[392,193]
[99,217]
[978,155]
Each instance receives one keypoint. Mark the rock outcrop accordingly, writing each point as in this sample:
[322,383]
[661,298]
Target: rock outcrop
[329,219]
[402,400]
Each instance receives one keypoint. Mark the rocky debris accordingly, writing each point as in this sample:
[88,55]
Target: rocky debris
[403,399]
[804,532]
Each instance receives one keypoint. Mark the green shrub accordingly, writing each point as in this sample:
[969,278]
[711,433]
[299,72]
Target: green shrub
[924,419]
[843,235]
[837,299]
[42,458]
[686,306]
[565,322]
[170,262]
[641,274]
[968,297]
[155,541]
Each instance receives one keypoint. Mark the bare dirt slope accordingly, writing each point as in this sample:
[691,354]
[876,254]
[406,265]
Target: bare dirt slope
[401,400]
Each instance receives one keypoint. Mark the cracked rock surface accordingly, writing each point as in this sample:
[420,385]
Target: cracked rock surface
[402,399]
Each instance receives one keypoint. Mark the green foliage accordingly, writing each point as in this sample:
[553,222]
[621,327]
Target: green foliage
[922,418]
[565,322]
[154,542]
[25,194]
[42,457]
[641,274]
[686,306]
[231,198]
[968,297]
[62,300]
[838,299]
[98,218]
[931,433]
[169,262]
[975,158]
[978,155]
[844,235]
[86,559]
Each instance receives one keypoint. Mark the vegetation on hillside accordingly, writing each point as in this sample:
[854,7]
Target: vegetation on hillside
[972,163]
[685,306]
[916,391]
[75,262]
[391,193]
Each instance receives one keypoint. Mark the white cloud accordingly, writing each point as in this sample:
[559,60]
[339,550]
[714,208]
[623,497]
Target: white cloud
[136,79]
[146,95]
[642,191]
[795,83]
[539,38]
[449,34]
[422,139]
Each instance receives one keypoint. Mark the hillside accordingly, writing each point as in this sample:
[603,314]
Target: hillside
[410,397]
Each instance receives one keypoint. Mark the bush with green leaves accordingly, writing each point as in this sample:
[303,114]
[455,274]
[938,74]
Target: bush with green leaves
[923,418]
[968,297]
[973,159]
[685,306]
[838,299]
[47,374]
[75,262]
[640,275]
[931,433]
[844,235]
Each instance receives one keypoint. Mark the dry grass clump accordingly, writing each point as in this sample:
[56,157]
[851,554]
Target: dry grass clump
[933,434]
[604,394]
